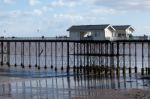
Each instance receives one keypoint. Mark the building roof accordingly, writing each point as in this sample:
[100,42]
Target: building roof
[122,27]
[88,27]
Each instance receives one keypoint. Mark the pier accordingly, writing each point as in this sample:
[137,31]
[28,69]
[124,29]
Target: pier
[84,56]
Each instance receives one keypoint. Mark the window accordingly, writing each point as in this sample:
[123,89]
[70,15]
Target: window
[95,34]
[119,35]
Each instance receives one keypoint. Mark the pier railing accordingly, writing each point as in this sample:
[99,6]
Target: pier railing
[85,56]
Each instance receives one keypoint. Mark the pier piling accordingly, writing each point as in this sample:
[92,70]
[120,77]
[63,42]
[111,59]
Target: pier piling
[85,56]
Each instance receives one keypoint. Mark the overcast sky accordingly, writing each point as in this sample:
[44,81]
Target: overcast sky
[53,17]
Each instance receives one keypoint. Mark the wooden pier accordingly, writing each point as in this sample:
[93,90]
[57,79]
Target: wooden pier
[79,56]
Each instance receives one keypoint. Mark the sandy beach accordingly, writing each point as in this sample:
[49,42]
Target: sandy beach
[117,94]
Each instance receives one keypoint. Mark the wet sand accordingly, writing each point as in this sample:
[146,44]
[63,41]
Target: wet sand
[93,93]
[117,94]
[6,80]
[9,80]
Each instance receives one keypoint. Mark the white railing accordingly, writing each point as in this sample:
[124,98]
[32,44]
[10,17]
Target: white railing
[129,38]
[68,38]
[34,38]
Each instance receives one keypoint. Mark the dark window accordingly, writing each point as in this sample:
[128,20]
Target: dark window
[119,35]
[95,34]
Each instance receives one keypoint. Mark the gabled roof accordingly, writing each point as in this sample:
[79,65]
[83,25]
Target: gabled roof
[122,27]
[88,27]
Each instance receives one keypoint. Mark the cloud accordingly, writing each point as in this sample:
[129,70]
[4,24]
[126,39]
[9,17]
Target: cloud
[68,16]
[139,5]
[104,11]
[71,18]
[147,28]
[9,1]
[14,13]
[37,12]
[20,14]
[33,2]
[117,5]
[62,3]
[23,27]
[55,16]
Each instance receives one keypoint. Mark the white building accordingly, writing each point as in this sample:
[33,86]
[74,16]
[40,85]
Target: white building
[123,31]
[99,32]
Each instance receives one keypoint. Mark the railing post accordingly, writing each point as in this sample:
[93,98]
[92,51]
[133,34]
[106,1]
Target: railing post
[135,59]
[2,52]
[51,55]
[15,55]
[22,54]
[124,68]
[99,59]
[29,54]
[36,54]
[8,54]
[105,58]
[68,67]
[45,55]
[118,67]
[130,69]
[112,58]
[84,57]
[39,54]
[148,58]
[80,47]
[74,48]
[55,56]
[142,70]
[77,57]
[87,57]
[62,53]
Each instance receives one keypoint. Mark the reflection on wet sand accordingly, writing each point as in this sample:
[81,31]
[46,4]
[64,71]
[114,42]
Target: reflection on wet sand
[67,87]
